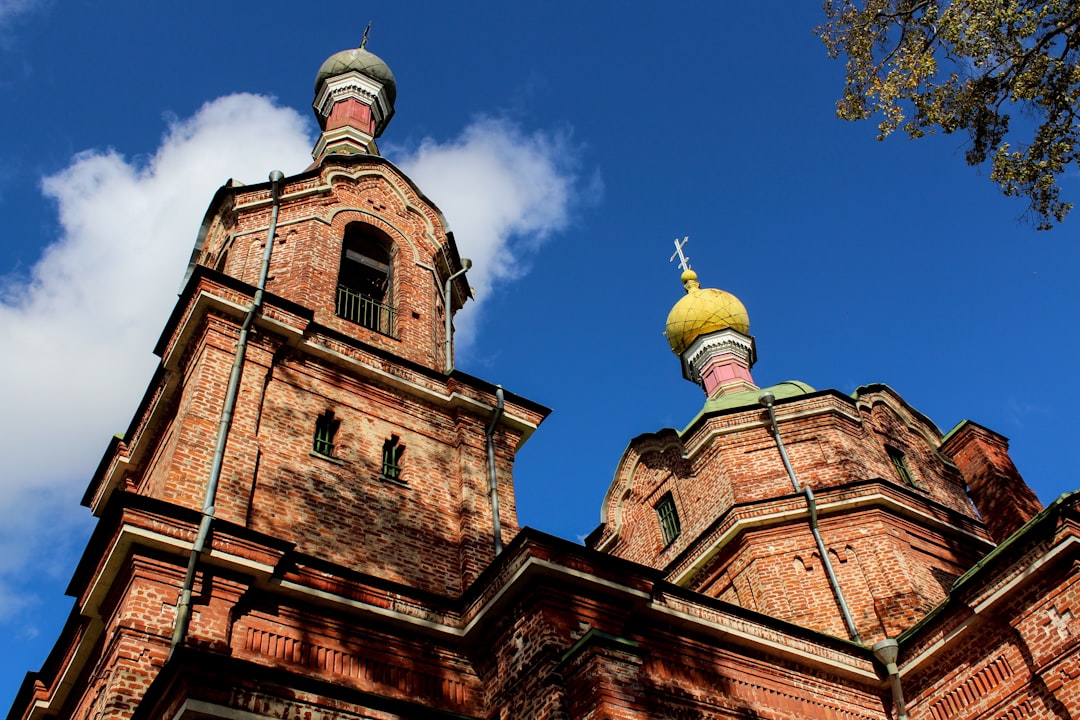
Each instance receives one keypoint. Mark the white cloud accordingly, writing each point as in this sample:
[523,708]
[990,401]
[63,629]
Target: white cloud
[503,192]
[10,9]
[78,333]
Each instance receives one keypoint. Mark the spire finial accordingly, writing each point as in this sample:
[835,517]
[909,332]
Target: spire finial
[363,40]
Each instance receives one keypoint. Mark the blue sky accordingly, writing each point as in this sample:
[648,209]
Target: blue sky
[596,134]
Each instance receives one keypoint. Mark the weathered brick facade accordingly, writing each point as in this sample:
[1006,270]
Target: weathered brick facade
[897,543]
[340,582]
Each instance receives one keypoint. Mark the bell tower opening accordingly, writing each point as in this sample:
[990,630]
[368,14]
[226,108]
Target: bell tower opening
[365,280]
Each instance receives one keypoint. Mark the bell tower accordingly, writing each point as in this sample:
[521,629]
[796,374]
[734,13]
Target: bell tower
[306,441]
[344,376]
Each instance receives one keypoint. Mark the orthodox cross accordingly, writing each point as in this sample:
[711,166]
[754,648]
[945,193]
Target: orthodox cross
[363,40]
[684,262]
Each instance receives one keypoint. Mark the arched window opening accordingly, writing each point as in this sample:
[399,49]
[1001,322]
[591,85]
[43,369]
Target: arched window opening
[222,259]
[364,280]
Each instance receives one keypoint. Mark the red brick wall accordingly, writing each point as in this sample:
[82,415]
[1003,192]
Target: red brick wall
[137,616]
[1003,498]
[432,530]
[341,509]
[307,253]
[893,567]
[1016,664]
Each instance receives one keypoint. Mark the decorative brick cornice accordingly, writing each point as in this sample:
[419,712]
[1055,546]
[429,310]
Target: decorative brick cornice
[859,496]
[336,140]
[708,426]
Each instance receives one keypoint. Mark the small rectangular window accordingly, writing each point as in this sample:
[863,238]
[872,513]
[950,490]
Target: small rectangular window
[669,519]
[900,466]
[391,458]
[325,429]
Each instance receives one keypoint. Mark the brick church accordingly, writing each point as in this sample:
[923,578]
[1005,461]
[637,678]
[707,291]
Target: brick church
[312,515]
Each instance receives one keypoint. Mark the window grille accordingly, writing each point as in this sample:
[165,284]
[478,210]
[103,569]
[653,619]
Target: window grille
[391,458]
[362,310]
[325,429]
[364,280]
[669,519]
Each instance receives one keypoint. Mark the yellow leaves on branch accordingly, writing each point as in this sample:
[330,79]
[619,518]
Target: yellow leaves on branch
[999,57]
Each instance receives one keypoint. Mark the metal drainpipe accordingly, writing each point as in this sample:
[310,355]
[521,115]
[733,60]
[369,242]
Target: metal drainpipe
[768,399]
[886,652]
[466,263]
[493,481]
[183,608]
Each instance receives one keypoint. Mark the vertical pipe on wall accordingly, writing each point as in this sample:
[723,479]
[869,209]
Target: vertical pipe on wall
[466,263]
[183,608]
[886,652]
[768,399]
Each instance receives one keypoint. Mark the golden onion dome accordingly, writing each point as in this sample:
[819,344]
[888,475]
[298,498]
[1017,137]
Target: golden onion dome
[703,310]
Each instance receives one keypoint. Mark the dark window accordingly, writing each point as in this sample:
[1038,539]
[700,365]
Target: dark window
[900,465]
[392,450]
[669,519]
[325,429]
[364,280]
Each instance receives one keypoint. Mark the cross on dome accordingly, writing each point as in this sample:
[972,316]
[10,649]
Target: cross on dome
[710,332]
[684,261]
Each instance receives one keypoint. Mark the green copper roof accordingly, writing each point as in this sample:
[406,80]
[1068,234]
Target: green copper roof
[1053,510]
[748,398]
